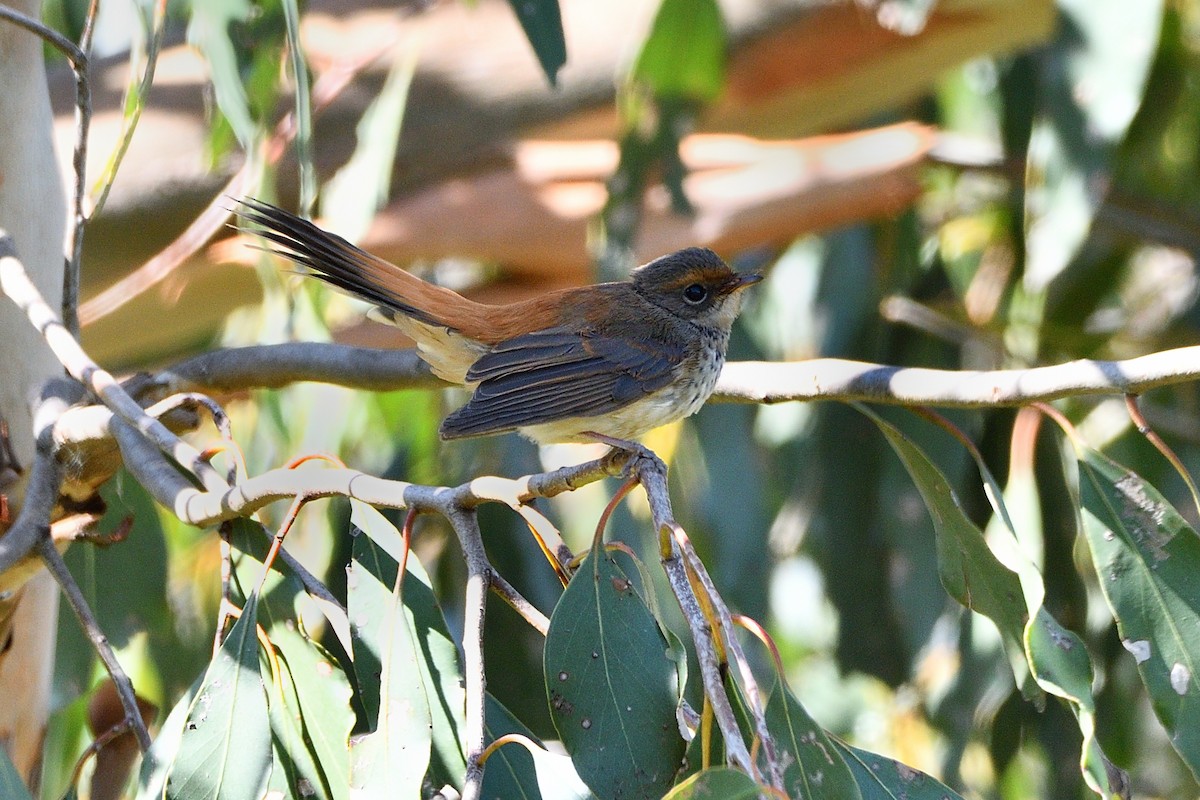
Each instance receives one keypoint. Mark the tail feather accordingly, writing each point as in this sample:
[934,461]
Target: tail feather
[339,263]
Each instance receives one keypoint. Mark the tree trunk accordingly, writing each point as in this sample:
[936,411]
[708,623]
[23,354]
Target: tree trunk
[32,210]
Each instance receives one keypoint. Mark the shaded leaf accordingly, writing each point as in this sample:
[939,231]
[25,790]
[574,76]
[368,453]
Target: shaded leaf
[302,107]
[225,750]
[881,778]
[611,685]
[11,785]
[1147,560]
[521,773]
[722,782]
[812,767]
[542,23]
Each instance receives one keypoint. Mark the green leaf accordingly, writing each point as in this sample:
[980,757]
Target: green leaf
[1147,559]
[611,685]
[519,773]
[351,197]
[967,567]
[11,785]
[225,750]
[437,665]
[302,108]
[312,715]
[1093,84]
[812,767]
[722,782]
[394,757]
[684,54]
[156,764]
[881,778]
[542,23]
[209,32]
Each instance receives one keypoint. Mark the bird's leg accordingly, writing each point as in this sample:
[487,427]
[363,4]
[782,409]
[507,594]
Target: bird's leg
[636,451]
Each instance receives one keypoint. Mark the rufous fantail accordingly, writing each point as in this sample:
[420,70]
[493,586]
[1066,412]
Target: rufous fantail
[602,362]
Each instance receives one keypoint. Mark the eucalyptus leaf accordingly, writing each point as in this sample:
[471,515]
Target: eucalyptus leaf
[812,766]
[11,785]
[1147,559]
[611,685]
[881,778]
[225,750]
[542,23]
[722,782]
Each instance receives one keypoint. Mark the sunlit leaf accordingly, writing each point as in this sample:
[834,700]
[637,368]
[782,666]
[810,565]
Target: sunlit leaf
[1147,560]
[395,756]
[209,31]
[520,773]
[684,55]
[611,685]
[437,665]
[1093,83]
[302,107]
[542,24]
[314,717]
[225,751]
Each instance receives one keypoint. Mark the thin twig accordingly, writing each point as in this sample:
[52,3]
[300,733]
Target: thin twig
[78,219]
[87,620]
[52,37]
[479,577]
[506,592]
[15,283]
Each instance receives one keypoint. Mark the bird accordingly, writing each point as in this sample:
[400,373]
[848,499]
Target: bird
[607,362]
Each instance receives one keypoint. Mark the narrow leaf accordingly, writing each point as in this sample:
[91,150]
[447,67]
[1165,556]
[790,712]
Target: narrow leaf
[438,666]
[967,567]
[611,685]
[1147,559]
[542,23]
[209,32]
[225,751]
[394,757]
[302,108]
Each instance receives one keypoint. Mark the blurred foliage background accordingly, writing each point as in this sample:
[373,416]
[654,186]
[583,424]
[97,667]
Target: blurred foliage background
[1054,214]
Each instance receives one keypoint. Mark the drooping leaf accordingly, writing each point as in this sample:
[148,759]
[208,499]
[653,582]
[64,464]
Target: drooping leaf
[542,23]
[611,685]
[438,665]
[209,31]
[313,717]
[395,756]
[11,784]
[1093,82]
[881,778]
[301,108]
[812,766]
[684,54]
[968,569]
[1147,559]
[225,750]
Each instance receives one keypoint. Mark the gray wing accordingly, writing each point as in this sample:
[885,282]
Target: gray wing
[552,375]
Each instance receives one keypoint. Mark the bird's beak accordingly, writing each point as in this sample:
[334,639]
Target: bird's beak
[739,281]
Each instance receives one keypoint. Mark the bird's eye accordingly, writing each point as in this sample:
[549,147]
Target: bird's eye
[695,293]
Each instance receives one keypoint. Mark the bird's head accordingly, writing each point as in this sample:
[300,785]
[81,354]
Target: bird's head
[694,284]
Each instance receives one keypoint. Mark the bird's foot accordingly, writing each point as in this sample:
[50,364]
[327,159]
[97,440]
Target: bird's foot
[636,452]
